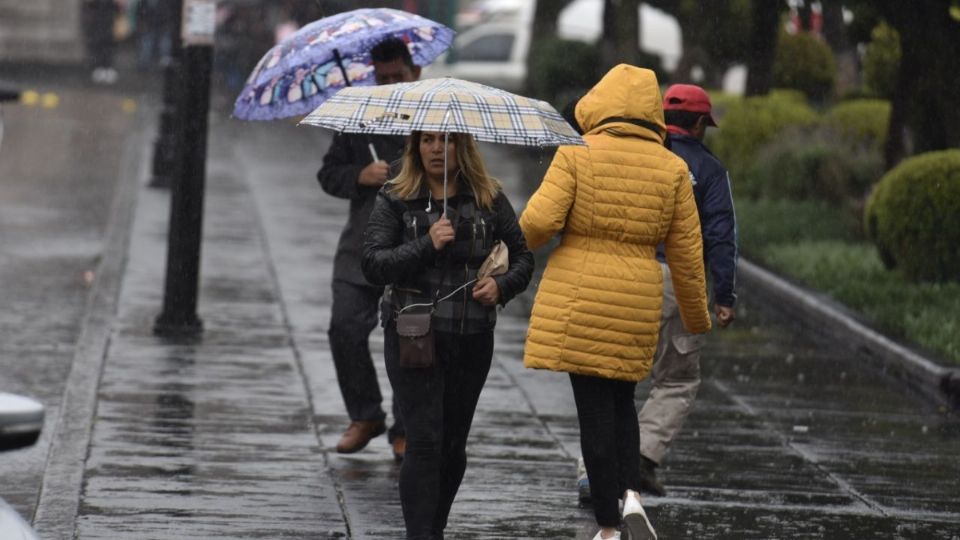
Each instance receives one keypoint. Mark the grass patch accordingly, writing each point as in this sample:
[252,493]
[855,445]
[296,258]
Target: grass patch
[764,223]
[820,248]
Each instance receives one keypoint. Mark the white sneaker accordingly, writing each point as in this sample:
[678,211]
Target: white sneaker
[636,522]
[616,536]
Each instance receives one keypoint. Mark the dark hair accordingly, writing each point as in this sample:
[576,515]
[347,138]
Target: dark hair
[569,114]
[681,119]
[392,49]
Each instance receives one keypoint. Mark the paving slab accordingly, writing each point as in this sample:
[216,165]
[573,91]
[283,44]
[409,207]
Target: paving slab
[231,435]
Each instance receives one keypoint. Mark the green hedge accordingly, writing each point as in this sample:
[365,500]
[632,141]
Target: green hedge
[561,69]
[927,314]
[861,120]
[812,164]
[912,216]
[763,223]
[750,123]
[804,62]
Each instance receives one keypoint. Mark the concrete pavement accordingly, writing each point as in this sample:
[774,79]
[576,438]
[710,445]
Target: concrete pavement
[231,435]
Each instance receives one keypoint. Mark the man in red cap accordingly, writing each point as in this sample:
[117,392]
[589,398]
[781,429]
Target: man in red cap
[676,368]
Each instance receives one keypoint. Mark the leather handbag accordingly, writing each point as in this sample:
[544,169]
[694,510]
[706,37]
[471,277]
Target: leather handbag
[496,262]
[416,339]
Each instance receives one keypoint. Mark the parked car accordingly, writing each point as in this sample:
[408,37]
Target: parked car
[494,49]
[6,94]
[21,420]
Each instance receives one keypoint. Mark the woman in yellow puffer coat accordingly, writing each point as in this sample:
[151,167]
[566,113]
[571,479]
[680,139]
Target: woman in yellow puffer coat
[597,309]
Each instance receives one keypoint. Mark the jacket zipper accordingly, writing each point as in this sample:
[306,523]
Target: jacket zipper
[466,273]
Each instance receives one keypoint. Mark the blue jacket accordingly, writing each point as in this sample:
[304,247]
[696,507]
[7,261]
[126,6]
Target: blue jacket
[718,222]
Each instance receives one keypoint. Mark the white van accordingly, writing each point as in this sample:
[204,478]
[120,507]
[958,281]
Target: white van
[494,50]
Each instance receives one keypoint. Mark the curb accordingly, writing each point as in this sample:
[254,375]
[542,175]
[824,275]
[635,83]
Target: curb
[939,383]
[59,500]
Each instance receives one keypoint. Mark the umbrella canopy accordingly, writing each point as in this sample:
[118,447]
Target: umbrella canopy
[445,105]
[303,70]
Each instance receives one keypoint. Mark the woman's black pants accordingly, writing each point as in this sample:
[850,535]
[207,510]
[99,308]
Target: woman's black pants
[437,405]
[609,440]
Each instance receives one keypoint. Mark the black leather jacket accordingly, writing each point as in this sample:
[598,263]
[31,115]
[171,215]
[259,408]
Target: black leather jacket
[398,252]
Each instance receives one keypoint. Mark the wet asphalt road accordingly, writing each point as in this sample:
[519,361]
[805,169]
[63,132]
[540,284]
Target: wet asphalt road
[59,165]
[230,436]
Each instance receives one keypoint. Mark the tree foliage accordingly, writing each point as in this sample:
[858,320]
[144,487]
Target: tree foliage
[716,34]
[804,62]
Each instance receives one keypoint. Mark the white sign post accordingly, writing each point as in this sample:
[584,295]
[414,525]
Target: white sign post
[199,22]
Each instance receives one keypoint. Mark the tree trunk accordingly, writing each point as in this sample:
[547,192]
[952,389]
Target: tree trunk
[765,19]
[544,25]
[545,17]
[608,37]
[835,32]
[923,101]
[627,33]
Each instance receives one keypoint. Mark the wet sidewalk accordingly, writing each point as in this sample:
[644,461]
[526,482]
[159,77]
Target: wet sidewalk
[232,435]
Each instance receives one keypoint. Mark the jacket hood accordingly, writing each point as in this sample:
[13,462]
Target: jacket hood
[627,100]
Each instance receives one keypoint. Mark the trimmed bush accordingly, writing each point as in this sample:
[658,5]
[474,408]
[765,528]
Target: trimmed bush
[814,164]
[861,120]
[804,62]
[750,123]
[881,61]
[721,101]
[912,216]
[561,69]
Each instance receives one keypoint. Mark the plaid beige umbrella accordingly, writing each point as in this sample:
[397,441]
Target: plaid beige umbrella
[445,106]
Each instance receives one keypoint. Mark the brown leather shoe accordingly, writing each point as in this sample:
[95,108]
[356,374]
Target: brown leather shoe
[358,434]
[399,447]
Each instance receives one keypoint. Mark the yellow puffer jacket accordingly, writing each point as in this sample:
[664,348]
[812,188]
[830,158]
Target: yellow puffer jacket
[597,309]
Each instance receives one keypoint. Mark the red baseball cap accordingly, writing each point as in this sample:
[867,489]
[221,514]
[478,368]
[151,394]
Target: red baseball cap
[688,97]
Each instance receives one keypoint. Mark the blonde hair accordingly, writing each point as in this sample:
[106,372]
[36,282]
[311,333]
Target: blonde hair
[413,174]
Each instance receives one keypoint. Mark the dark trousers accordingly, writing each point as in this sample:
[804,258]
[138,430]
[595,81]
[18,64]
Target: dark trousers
[437,405]
[352,318]
[609,440]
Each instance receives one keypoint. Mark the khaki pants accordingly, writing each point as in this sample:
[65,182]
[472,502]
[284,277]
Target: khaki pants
[676,378]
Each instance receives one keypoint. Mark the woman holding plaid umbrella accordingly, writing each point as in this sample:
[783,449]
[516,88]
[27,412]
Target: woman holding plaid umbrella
[429,260]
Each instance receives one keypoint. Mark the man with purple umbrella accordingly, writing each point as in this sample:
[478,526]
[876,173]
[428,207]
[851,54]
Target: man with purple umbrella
[354,168]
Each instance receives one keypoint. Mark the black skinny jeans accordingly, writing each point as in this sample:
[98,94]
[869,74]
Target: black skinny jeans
[609,440]
[437,405]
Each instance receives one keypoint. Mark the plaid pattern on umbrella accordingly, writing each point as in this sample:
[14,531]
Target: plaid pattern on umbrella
[445,105]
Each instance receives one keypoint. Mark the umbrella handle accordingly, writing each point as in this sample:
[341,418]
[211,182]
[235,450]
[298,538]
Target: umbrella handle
[446,135]
[339,60]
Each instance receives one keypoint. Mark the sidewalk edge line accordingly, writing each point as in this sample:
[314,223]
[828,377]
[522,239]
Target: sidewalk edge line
[920,373]
[874,507]
[59,498]
[297,355]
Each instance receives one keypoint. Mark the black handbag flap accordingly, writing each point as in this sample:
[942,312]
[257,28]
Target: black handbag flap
[413,324]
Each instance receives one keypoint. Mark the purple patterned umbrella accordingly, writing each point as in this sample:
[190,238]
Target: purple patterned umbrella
[302,71]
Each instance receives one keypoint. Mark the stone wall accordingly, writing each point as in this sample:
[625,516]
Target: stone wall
[41,30]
